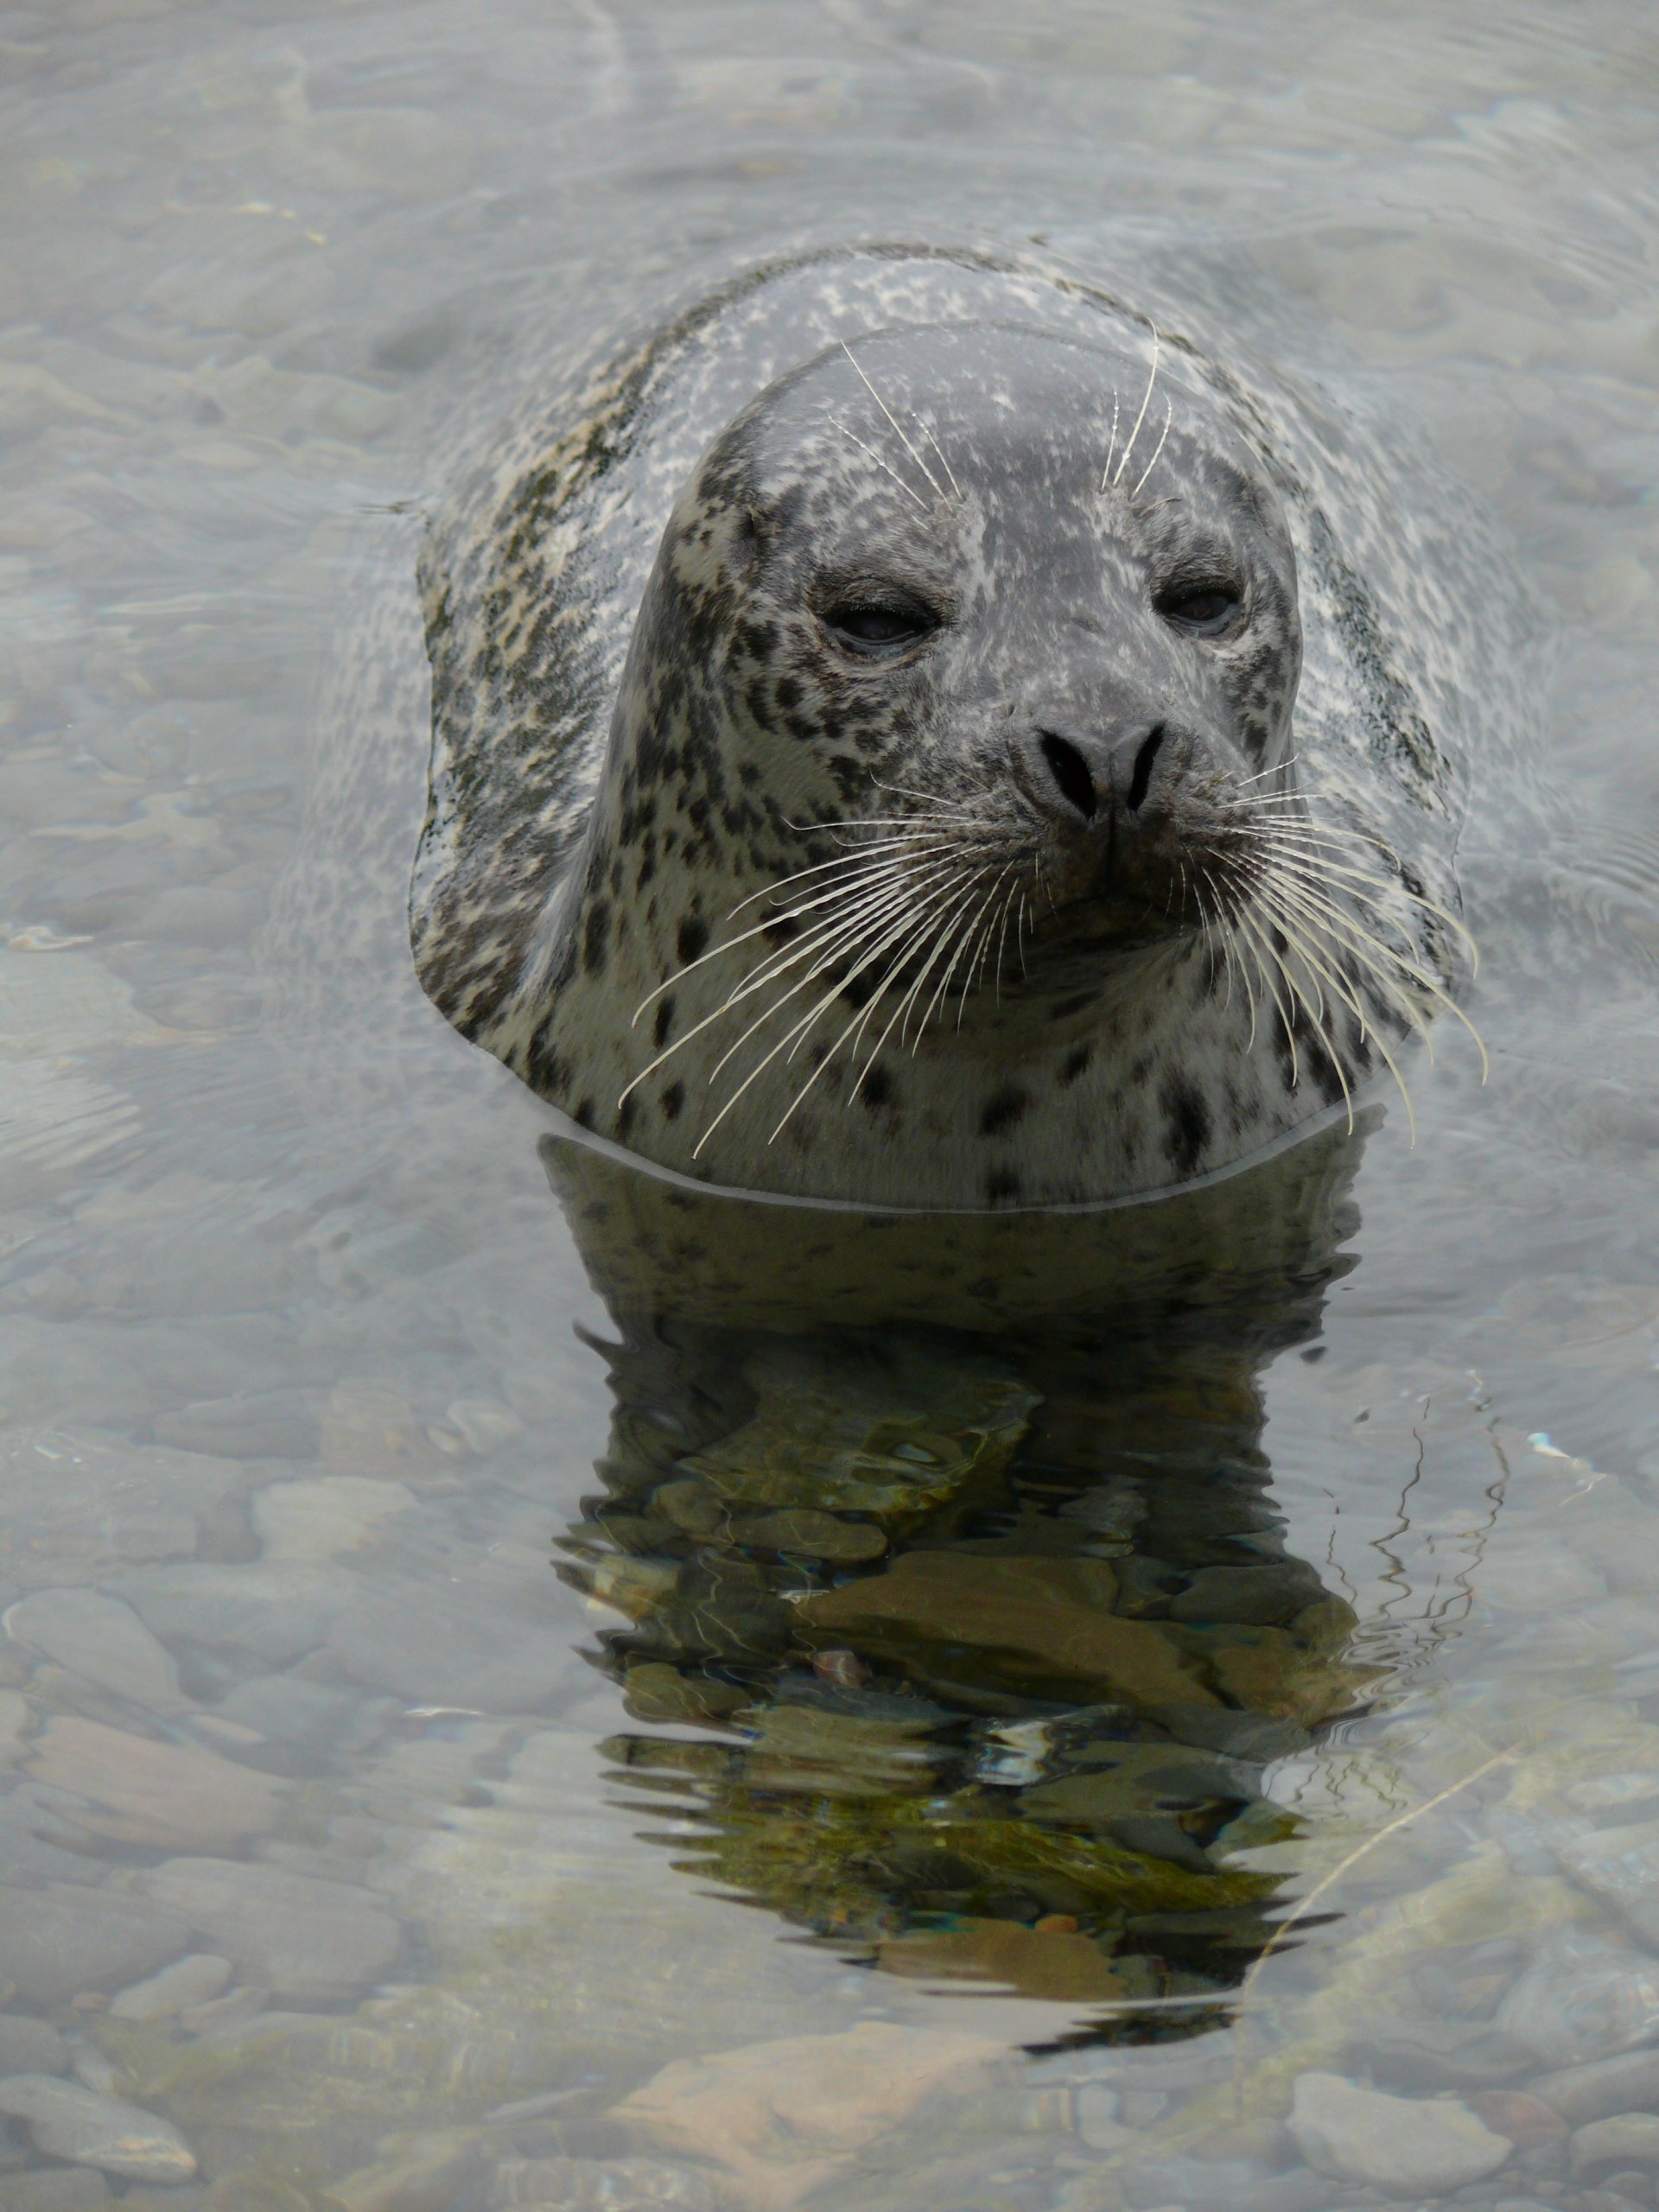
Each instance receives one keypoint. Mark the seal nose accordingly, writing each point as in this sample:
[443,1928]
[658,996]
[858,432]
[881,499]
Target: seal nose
[1088,774]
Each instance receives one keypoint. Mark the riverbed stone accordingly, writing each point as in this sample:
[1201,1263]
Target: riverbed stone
[1527,2120]
[298,1937]
[1620,1866]
[67,2122]
[82,1506]
[319,1517]
[1409,2145]
[278,1611]
[1626,2139]
[601,2185]
[196,1979]
[136,1789]
[54,2189]
[100,1639]
[1582,1998]
[1629,2083]
[63,1939]
[780,2118]
[30,2046]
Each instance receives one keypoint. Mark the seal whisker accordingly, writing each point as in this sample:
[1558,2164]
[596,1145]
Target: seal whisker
[1354,929]
[1363,885]
[1375,963]
[1146,402]
[1111,445]
[854,1030]
[1315,1011]
[909,490]
[822,898]
[893,419]
[945,461]
[964,947]
[854,930]
[1169,413]
[903,930]
[901,1011]
[1369,1029]
[851,861]
[1341,927]
[976,969]
[1261,944]
[900,893]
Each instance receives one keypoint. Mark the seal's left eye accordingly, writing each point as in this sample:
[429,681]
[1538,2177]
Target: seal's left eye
[875,629]
[1201,607]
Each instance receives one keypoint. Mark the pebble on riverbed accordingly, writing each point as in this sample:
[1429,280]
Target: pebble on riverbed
[1623,2140]
[195,1979]
[67,2122]
[1403,2143]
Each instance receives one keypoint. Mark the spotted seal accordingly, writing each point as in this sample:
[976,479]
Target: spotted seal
[912,728]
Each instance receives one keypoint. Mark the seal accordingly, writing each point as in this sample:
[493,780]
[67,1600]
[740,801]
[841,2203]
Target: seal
[913,730]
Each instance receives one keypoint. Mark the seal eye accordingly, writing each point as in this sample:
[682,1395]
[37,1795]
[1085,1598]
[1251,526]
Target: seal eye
[878,628]
[1204,608]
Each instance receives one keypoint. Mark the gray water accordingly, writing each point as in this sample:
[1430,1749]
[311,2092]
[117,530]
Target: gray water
[295,1400]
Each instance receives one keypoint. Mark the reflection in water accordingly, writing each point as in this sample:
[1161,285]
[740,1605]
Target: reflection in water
[957,1608]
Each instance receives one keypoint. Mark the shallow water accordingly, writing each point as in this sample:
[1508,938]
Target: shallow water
[297,1412]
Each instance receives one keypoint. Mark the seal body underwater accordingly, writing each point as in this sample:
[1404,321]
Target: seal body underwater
[912,729]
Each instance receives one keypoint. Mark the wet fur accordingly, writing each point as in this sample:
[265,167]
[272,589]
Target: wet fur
[622,758]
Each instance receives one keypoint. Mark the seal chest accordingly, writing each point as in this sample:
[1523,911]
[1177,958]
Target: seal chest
[1008,794]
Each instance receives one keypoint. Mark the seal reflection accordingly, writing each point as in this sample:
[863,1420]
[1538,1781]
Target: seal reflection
[959,1622]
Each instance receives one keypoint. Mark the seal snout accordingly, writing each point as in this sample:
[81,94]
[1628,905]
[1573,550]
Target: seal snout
[1090,775]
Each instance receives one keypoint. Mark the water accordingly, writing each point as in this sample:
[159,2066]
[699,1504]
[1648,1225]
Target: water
[304,1379]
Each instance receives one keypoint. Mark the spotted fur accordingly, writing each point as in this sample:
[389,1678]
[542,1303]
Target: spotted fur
[643,722]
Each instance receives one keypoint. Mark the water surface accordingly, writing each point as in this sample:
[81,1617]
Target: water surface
[305,1384]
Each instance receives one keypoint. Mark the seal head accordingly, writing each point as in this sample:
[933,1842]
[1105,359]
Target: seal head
[950,847]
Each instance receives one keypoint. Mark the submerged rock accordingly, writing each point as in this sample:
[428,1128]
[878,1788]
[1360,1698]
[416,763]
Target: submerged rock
[1620,1866]
[195,1979]
[103,1641]
[1625,2140]
[293,1936]
[1627,2083]
[56,1942]
[1409,2146]
[67,2122]
[1582,1998]
[782,2117]
[601,2185]
[136,1789]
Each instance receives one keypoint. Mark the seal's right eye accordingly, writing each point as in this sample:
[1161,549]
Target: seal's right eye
[878,626]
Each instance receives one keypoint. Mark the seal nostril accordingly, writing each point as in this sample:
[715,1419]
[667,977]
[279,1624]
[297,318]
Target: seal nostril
[1142,776]
[1071,771]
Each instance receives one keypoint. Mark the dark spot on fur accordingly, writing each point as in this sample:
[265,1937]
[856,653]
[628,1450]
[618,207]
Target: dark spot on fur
[663,1028]
[1002,1110]
[876,1089]
[1189,1124]
[583,1115]
[595,936]
[673,1099]
[1074,1062]
[625,1115]
[1002,1186]
[692,937]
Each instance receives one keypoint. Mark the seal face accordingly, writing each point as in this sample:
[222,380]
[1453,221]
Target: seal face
[954,842]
